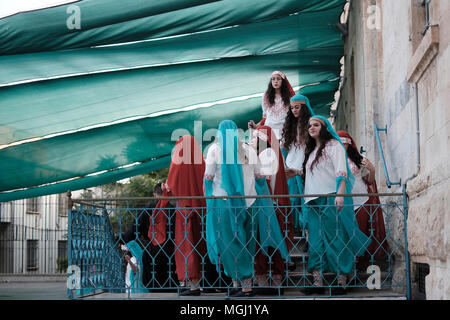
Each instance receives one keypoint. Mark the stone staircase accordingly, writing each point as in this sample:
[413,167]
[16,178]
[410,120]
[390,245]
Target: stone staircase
[298,275]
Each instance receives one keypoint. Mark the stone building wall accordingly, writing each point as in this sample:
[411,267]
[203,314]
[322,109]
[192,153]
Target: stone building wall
[400,79]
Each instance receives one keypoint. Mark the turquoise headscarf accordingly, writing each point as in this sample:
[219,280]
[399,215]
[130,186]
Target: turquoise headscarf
[300,97]
[231,167]
[136,282]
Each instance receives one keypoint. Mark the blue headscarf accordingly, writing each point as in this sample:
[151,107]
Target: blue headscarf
[300,97]
[136,281]
[231,166]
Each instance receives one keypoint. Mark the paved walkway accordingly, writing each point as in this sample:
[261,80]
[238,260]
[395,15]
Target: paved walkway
[56,290]
[36,290]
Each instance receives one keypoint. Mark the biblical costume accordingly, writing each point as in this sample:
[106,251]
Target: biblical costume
[334,237]
[274,115]
[272,167]
[367,210]
[232,170]
[294,159]
[185,179]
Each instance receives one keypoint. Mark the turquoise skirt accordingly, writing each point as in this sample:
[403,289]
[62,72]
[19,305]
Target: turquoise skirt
[334,237]
[231,232]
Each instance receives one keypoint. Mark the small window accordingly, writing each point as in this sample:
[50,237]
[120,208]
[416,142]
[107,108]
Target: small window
[32,255]
[420,20]
[422,271]
[62,249]
[32,206]
[62,205]
[426,5]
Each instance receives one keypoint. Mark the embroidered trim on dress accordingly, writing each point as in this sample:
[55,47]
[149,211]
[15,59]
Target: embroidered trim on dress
[278,110]
[341,174]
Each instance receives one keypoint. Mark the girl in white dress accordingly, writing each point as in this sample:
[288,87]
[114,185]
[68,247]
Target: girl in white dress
[232,169]
[334,236]
[275,103]
[295,132]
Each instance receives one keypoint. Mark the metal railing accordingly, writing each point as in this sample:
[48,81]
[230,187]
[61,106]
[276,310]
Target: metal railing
[91,252]
[389,183]
[96,263]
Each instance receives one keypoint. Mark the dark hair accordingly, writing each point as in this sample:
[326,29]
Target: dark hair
[324,137]
[354,155]
[269,95]
[292,124]
[158,189]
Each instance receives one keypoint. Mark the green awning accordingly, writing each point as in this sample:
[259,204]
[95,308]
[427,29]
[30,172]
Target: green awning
[261,38]
[107,113]
[45,107]
[112,21]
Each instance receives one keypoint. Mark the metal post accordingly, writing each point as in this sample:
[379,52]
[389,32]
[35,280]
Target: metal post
[407,262]
[69,237]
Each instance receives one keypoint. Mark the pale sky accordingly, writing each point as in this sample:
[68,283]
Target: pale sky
[9,7]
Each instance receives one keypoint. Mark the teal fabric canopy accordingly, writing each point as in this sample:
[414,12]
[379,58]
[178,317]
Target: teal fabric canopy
[85,107]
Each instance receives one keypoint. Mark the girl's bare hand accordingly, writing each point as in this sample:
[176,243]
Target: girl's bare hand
[339,202]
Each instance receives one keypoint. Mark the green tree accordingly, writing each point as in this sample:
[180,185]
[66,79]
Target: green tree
[87,194]
[138,186]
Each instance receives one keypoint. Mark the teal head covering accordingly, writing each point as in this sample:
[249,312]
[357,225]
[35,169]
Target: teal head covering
[136,280]
[232,173]
[231,167]
[300,97]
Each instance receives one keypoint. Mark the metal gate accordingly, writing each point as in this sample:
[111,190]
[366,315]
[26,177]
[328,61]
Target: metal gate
[97,266]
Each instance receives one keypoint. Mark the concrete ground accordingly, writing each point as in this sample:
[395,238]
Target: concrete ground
[33,290]
[290,294]
[57,290]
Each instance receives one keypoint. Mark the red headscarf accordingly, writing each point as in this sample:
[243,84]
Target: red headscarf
[186,172]
[283,76]
[345,134]
[185,179]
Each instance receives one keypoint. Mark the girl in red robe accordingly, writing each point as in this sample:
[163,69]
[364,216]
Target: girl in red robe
[185,179]
[367,210]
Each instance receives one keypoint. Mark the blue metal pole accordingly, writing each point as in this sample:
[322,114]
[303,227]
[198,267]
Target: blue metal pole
[386,173]
[69,241]
[407,262]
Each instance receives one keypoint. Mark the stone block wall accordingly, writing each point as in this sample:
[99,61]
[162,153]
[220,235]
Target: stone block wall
[393,60]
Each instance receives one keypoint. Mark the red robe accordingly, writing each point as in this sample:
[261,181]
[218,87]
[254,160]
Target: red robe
[185,179]
[378,245]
